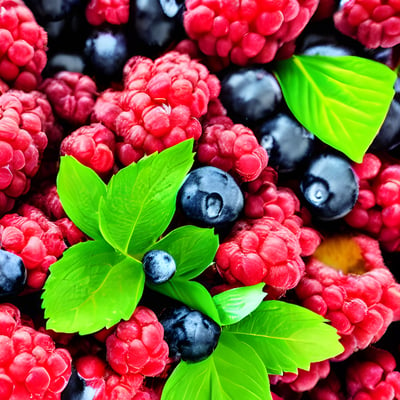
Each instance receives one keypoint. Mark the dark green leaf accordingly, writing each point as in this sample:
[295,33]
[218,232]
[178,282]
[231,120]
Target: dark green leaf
[287,336]
[235,304]
[191,293]
[80,190]
[233,372]
[192,248]
[91,287]
[342,100]
[140,199]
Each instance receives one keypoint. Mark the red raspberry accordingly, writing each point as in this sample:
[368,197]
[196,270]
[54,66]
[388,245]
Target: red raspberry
[232,148]
[329,388]
[371,375]
[377,210]
[347,282]
[72,95]
[23,46]
[92,145]
[31,367]
[374,23]
[106,108]
[246,32]
[115,12]
[325,9]
[39,242]
[261,250]
[137,346]
[162,103]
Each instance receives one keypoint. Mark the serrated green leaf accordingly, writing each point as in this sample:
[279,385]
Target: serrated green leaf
[192,248]
[235,304]
[342,100]
[233,372]
[287,336]
[91,287]
[140,199]
[80,190]
[191,293]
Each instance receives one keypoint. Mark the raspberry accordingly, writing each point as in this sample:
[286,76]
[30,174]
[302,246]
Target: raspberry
[374,23]
[371,375]
[325,9]
[162,103]
[263,198]
[329,388]
[115,12]
[347,282]
[93,145]
[23,46]
[39,242]
[137,345]
[247,32]
[72,95]
[31,367]
[232,148]
[106,108]
[261,250]
[377,208]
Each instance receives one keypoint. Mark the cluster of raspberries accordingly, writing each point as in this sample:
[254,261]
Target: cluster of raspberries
[31,367]
[377,210]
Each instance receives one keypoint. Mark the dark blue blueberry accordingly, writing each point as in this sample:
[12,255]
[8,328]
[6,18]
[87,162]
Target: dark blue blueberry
[329,186]
[64,62]
[286,141]
[52,10]
[329,49]
[77,389]
[190,334]
[210,197]
[12,274]
[159,266]
[250,95]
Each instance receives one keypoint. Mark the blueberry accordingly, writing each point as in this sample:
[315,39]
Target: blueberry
[64,62]
[12,274]
[159,266]
[54,10]
[329,49]
[250,95]
[77,389]
[210,197]
[286,141]
[190,334]
[329,186]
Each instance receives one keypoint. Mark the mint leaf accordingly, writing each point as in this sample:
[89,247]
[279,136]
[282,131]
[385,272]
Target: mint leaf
[91,287]
[235,304]
[233,372]
[140,199]
[287,336]
[80,190]
[192,248]
[191,293]
[342,100]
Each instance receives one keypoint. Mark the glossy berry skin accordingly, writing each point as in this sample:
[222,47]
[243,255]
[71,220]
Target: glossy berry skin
[210,197]
[159,266]
[189,333]
[12,274]
[250,95]
[286,141]
[329,187]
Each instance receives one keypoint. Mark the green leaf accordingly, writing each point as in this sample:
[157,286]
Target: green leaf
[91,287]
[191,293]
[80,190]
[233,372]
[342,100]
[235,304]
[141,197]
[287,336]
[192,248]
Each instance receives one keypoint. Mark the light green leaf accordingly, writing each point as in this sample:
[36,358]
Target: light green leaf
[233,372]
[342,100]
[91,287]
[235,304]
[80,190]
[191,293]
[192,248]
[287,336]
[141,199]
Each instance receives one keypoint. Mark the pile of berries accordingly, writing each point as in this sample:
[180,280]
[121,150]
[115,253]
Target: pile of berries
[111,82]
